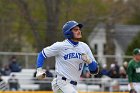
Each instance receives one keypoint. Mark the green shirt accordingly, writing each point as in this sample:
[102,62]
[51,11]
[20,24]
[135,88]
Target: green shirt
[133,71]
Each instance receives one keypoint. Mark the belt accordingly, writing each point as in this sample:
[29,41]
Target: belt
[71,82]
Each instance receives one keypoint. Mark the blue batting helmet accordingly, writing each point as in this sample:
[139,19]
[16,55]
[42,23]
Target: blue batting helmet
[67,28]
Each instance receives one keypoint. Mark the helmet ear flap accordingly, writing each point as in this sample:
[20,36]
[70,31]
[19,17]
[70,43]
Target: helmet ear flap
[69,34]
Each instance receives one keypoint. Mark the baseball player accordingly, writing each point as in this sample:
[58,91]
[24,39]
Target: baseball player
[133,72]
[70,56]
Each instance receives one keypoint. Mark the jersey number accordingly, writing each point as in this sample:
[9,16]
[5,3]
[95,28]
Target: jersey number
[80,66]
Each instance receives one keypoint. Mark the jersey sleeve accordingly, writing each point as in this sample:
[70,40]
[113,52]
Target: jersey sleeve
[130,71]
[89,52]
[93,66]
[52,50]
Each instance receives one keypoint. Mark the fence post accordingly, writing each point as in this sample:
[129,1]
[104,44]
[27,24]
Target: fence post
[26,61]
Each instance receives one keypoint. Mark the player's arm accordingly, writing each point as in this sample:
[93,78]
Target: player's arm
[40,61]
[92,65]
[130,74]
[46,52]
[90,60]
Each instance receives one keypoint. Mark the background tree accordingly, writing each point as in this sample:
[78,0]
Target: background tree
[133,18]
[134,44]
[30,25]
[52,20]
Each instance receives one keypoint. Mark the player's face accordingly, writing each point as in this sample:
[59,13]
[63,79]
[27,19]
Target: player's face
[138,57]
[76,33]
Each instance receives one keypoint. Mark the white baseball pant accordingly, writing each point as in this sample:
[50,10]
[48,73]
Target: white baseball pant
[63,86]
[136,87]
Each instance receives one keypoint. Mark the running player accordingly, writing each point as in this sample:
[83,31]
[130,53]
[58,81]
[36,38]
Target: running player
[70,56]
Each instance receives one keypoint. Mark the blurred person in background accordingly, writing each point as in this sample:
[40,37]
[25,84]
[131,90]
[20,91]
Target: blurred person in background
[104,70]
[117,67]
[14,65]
[122,72]
[125,65]
[1,78]
[3,84]
[2,70]
[48,73]
[85,72]
[113,72]
[6,70]
[13,83]
[133,72]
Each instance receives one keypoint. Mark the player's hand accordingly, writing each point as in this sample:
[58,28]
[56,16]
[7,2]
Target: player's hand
[86,58]
[40,74]
[132,91]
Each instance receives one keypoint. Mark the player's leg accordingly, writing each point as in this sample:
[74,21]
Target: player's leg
[61,86]
[55,87]
[69,88]
[137,85]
